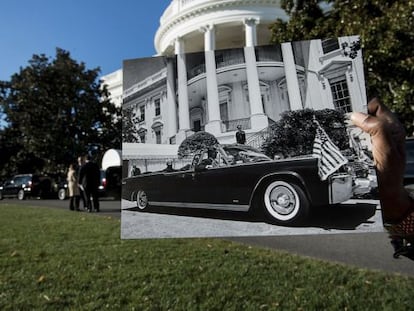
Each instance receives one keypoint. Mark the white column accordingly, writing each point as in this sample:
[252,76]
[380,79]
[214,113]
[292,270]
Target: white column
[214,120]
[171,103]
[250,31]
[183,106]
[291,77]
[258,119]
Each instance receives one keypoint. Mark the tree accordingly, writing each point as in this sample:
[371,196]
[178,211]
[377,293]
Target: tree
[55,109]
[129,130]
[294,133]
[386,29]
[197,141]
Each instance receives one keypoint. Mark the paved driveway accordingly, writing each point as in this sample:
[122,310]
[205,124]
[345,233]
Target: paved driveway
[353,216]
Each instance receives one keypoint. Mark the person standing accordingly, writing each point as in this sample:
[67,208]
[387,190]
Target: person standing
[81,162]
[73,188]
[240,135]
[89,178]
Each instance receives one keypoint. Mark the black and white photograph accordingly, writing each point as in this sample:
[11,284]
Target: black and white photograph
[252,141]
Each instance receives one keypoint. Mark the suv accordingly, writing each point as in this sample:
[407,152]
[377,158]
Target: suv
[409,165]
[26,185]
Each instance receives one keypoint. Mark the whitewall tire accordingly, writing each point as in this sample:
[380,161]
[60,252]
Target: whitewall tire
[142,200]
[285,203]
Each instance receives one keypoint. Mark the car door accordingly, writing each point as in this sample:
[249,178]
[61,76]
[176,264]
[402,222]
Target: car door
[229,185]
[11,187]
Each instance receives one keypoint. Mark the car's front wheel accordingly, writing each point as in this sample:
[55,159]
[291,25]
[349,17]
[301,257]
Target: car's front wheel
[21,195]
[62,194]
[142,200]
[285,203]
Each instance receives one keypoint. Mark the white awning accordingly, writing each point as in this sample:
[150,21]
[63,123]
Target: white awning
[112,157]
[148,151]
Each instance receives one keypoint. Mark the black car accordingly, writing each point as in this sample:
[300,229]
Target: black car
[409,167]
[26,185]
[241,179]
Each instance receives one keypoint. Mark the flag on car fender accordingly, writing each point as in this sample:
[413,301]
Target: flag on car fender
[330,158]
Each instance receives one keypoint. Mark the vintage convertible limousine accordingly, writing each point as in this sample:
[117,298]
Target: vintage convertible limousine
[241,178]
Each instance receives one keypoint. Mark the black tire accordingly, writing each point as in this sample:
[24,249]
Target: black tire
[142,200]
[285,203]
[62,194]
[1,195]
[21,195]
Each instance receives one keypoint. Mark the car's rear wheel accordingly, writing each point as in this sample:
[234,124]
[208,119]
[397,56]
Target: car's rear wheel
[21,195]
[1,195]
[62,194]
[142,200]
[285,203]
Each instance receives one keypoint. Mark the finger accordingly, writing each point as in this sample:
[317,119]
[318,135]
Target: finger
[374,106]
[365,122]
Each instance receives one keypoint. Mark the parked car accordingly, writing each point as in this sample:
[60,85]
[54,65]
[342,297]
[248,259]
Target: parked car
[285,189]
[110,184]
[409,167]
[23,186]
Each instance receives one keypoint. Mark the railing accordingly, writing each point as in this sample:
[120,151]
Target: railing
[231,125]
[230,62]
[256,140]
[269,54]
[145,83]
[177,6]
[197,70]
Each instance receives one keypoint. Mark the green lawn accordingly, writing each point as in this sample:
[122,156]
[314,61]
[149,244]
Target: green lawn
[55,259]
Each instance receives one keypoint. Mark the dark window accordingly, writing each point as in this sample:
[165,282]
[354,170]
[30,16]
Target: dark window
[197,126]
[329,45]
[157,107]
[158,136]
[142,137]
[142,113]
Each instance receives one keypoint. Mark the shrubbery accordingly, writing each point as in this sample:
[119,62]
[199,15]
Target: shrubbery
[197,141]
[294,133]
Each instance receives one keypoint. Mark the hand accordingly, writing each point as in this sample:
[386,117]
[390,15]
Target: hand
[388,148]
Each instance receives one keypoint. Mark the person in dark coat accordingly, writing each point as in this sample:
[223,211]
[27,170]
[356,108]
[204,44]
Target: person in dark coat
[240,135]
[89,178]
[81,196]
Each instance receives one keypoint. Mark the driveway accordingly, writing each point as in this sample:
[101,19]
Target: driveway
[354,216]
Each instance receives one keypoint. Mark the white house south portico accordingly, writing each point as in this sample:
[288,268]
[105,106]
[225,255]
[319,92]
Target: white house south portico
[215,70]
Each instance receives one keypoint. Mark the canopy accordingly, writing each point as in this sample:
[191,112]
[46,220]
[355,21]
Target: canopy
[112,157]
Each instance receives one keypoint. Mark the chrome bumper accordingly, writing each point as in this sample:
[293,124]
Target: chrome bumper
[340,188]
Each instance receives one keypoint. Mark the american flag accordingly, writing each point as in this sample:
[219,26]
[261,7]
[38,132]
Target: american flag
[330,158]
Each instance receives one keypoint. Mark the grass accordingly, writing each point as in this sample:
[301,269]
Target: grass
[57,260]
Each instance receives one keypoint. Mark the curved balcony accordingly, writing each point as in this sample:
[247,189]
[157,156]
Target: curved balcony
[185,18]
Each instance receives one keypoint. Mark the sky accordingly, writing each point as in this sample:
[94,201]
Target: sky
[100,33]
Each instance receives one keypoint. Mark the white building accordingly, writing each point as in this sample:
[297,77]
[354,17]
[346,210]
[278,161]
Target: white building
[216,71]
[113,81]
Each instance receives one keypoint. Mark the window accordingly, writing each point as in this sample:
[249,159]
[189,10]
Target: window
[142,137]
[158,136]
[224,112]
[157,107]
[142,113]
[340,94]
[329,45]
[197,125]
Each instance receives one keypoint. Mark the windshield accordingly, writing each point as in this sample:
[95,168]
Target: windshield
[245,154]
